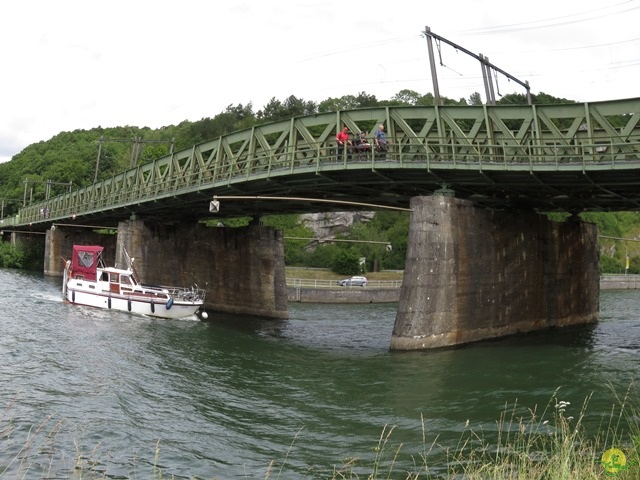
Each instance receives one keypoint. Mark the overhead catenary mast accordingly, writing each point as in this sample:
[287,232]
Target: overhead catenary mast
[485,66]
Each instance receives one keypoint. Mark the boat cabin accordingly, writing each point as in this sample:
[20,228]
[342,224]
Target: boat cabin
[87,265]
[85,262]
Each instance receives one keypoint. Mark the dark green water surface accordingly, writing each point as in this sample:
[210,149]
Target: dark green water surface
[223,399]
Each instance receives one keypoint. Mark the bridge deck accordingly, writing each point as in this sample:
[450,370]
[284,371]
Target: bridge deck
[576,157]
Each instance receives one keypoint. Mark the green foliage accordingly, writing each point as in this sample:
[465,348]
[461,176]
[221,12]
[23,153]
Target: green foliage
[295,251]
[346,263]
[322,257]
[406,97]
[475,99]
[558,217]
[10,257]
[613,224]
[33,255]
[391,227]
[610,265]
[348,102]
[537,99]
[364,239]
[634,265]
[27,255]
[292,107]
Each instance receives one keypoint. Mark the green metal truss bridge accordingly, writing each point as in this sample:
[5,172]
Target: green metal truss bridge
[569,158]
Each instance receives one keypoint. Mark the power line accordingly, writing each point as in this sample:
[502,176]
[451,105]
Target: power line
[532,24]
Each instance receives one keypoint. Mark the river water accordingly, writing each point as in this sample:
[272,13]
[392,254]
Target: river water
[102,393]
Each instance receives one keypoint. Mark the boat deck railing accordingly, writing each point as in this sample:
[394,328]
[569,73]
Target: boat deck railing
[187,294]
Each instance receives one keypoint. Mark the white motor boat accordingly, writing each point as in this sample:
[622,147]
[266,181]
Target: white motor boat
[87,281]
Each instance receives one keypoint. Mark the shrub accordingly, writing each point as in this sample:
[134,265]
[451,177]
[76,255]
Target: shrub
[346,263]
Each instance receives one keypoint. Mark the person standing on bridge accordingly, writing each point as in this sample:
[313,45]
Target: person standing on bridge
[342,139]
[381,142]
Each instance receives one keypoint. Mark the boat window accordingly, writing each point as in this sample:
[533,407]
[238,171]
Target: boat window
[114,278]
[125,280]
[104,277]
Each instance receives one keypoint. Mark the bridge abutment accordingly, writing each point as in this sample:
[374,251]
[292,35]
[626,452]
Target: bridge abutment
[473,274]
[242,269]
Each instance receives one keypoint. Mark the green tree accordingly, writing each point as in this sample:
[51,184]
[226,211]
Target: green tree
[295,250]
[406,97]
[10,256]
[634,265]
[475,99]
[348,102]
[276,110]
[346,263]
[610,265]
[321,256]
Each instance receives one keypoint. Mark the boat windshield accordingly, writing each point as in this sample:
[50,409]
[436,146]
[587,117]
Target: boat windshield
[127,280]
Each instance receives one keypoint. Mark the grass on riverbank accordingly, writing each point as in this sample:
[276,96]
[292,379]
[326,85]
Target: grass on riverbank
[550,445]
[527,445]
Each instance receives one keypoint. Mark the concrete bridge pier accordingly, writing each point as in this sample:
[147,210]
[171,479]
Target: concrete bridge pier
[59,242]
[242,269]
[473,274]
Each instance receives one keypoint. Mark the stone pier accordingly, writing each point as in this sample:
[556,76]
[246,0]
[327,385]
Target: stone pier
[242,269]
[473,274]
[59,243]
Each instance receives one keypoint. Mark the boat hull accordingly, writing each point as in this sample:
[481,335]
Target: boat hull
[160,308]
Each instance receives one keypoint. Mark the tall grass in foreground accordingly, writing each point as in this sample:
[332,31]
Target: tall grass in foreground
[545,445]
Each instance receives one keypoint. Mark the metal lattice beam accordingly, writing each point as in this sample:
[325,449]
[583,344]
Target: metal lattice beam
[570,157]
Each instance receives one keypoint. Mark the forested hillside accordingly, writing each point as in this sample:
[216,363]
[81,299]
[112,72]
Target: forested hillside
[69,159]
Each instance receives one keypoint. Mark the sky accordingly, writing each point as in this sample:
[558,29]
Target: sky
[81,64]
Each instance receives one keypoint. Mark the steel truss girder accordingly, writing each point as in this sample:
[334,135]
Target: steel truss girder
[482,138]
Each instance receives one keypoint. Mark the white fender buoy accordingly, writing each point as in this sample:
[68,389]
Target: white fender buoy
[169,303]
[204,315]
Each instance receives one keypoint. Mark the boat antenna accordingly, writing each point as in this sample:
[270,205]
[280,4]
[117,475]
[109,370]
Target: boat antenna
[130,265]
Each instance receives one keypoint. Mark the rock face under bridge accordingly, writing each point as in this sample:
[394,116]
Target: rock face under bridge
[474,274]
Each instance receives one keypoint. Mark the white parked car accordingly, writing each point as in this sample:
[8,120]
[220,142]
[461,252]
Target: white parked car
[353,281]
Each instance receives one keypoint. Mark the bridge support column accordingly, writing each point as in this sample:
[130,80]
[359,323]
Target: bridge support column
[53,253]
[242,269]
[59,243]
[474,274]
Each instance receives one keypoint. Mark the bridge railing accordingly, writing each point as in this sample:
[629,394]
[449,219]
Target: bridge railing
[147,182]
[497,137]
[312,283]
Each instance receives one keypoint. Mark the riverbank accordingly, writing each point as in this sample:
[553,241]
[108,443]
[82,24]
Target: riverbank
[619,282]
[386,288]
[343,294]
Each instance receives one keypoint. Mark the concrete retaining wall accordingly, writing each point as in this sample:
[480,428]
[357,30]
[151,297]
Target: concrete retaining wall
[392,295]
[619,282]
[344,295]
